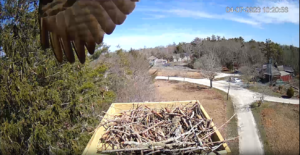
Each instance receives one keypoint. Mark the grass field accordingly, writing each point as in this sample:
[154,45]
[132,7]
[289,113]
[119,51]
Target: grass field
[272,91]
[278,125]
[213,101]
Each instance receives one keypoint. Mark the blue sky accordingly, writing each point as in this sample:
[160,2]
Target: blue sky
[162,22]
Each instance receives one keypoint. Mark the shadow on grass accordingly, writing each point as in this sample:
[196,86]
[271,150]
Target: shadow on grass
[285,97]
[202,87]
[173,81]
[253,106]
[191,87]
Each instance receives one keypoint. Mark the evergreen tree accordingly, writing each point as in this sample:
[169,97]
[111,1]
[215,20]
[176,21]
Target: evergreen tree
[46,107]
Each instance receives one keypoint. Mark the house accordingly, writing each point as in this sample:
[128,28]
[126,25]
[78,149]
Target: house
[159,62]
[268,72]
[288,69]
[285,76]
[151,60]
[178,58]
[286,72]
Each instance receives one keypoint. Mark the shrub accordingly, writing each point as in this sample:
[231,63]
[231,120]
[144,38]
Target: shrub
[290,92]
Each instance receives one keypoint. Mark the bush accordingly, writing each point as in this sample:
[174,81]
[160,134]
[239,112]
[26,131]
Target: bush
[290,92]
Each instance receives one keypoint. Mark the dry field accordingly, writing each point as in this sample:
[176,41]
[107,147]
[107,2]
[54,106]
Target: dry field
[213,101]
[175,73]
[278,125]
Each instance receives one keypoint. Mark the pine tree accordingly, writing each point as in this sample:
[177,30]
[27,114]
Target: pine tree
[46,107]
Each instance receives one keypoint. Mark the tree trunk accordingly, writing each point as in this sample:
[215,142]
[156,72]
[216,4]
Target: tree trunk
[210,82]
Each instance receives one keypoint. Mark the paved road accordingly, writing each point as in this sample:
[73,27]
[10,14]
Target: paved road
[249,141]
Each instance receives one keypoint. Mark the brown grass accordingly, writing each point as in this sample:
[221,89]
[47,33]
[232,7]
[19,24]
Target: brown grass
[213,101]
[279,127]
[176,73]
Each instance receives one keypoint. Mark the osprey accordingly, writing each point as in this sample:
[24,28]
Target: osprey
[69,25]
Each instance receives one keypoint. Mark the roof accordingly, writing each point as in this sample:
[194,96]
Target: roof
[266,70]
[283,73]
[288,69]
[160,60]
[264,66]
[152,58]
[187,54]
[280,68]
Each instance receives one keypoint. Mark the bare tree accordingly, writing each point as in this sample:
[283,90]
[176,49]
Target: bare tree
[253,53]
[209,64]
[129,78]
[187,48]
[260,97]
[249,72]
[197,48]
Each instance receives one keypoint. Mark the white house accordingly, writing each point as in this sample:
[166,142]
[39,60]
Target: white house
[158,62]
[177,58]
[151,59]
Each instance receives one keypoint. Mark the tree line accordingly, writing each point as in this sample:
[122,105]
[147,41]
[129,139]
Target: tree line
[230,52]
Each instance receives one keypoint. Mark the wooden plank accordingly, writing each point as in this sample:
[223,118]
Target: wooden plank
[217,131]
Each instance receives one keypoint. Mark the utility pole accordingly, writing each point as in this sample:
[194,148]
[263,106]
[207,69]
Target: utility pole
[228,87]
[270,60]
[270,69]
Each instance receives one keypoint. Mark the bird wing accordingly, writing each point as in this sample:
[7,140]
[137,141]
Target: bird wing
[79,24]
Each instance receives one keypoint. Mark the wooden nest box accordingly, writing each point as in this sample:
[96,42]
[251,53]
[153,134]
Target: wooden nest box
[94,144]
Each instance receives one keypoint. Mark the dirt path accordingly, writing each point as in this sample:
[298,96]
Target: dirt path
[249,141]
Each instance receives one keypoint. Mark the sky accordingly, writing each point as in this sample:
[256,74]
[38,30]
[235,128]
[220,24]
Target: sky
[162,22]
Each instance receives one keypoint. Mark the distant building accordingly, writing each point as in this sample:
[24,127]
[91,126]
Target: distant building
[285,76]
[286,69]
[159,62]
[151,60]
[268,72]
[177,58]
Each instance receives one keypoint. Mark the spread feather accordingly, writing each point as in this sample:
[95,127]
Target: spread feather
[79,24]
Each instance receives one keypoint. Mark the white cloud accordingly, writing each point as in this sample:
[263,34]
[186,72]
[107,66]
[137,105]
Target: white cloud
[254,19]
[292,16]
[154,16]
[190,13]
[136,40]
[201,14]
[139,41]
